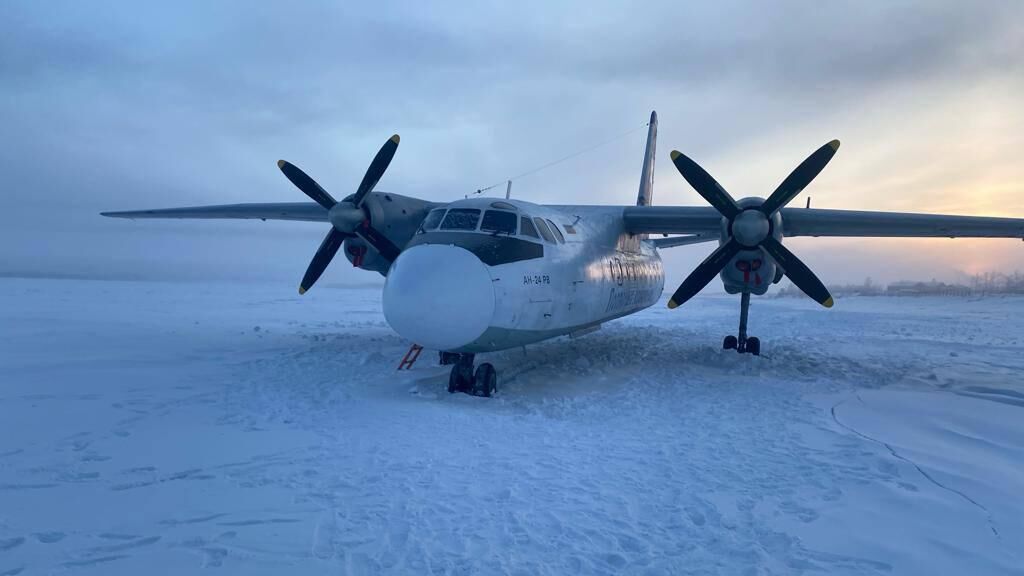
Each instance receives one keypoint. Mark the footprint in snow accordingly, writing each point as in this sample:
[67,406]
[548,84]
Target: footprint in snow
[11,543]
[49,537]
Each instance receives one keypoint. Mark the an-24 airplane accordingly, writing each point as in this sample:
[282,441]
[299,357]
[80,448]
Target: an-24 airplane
[487,274]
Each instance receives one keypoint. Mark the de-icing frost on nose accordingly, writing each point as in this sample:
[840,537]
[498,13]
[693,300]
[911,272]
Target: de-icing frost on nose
[439,296]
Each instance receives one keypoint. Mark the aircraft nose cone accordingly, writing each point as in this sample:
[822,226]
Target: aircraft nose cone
[440,297]
[750,227]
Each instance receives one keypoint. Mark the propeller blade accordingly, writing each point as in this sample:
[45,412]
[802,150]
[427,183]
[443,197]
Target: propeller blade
[380,242]
[303,182]
[376,170]
[800,177]
[705,185]
[797,271]
[704,273]
[324,254]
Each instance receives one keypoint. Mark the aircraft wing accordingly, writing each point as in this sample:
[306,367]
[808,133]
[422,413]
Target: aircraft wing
[820,222]
[299,211]
[702,221]
[671,219]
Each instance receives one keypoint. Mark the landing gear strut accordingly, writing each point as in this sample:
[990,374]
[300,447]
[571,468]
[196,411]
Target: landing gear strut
[742,343]
[484,382]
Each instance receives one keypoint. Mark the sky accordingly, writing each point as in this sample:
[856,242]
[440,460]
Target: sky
[118,106]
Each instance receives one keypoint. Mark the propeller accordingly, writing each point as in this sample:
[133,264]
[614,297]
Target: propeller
[751,227]
[348,218]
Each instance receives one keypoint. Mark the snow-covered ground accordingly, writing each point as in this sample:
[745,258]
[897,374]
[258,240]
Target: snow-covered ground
[150,428]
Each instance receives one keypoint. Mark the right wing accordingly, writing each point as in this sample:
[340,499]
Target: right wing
[298,211]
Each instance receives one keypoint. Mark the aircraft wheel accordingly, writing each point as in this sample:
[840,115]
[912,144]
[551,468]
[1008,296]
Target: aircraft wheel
[754,345]
[453,381]
[729,343]
[460,379]
[485,380]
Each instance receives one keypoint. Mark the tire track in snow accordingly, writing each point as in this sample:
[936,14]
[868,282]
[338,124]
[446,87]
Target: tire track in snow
[929,477]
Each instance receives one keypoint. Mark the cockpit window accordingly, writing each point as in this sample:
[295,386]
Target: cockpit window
[526,228]
[543,229]
[556,232]
[432,220]
[461,219]
[499,222]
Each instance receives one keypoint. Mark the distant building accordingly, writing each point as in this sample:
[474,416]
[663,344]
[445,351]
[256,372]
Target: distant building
[933,288]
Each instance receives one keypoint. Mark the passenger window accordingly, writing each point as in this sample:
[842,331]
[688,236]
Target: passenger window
[461,219]
[543,229]
[499,222]
[557,232]
[432,220]
[526,228]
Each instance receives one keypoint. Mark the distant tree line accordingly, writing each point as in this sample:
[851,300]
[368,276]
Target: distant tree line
[984,284]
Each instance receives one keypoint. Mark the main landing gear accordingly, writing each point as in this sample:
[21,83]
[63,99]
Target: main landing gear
[483,382]
[742,343]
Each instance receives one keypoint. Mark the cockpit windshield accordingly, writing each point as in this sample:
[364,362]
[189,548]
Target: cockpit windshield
[499,222]
[528,229]
[461,219]
[432,220]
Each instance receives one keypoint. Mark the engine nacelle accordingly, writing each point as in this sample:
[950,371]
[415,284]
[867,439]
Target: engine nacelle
[362,255]
[395,216]
[751,270]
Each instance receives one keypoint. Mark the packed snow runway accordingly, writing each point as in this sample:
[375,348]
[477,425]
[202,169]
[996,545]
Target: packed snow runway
[157,428]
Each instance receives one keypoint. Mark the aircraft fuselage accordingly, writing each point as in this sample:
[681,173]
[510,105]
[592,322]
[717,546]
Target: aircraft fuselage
[471,282]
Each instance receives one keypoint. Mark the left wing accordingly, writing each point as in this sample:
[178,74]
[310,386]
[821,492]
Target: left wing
[299,211]
[819,222]
[671,219]
[699,220]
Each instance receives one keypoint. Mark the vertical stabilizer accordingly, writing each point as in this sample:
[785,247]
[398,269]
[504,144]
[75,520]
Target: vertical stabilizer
[646,196]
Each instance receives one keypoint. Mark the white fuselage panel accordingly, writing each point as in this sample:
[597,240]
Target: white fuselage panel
[597,274]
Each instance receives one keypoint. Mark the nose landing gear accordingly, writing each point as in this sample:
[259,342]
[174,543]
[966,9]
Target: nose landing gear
[742,343]
[484,382]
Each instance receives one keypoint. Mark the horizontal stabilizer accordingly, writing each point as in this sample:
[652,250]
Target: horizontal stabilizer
[673,241]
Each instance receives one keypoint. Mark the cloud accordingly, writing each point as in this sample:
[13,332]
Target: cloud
[109,106]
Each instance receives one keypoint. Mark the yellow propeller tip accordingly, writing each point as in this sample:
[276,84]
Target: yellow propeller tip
[395,138]
[675,154]
[672,304]
[281,163]
[301,290]
[834,145]
[828,303]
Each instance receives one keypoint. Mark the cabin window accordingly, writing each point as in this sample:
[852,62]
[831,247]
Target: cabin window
[432,220]
[544,232]
[461,219]
[557,232]
[499,222]
[526,228]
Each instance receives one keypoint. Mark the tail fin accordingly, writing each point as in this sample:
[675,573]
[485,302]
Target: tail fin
[646,195]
